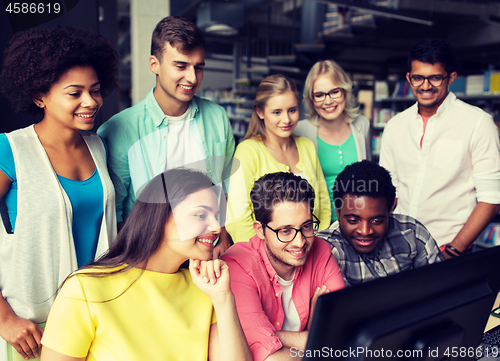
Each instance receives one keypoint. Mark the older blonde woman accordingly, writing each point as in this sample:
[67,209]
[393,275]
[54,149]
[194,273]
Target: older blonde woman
[341,135]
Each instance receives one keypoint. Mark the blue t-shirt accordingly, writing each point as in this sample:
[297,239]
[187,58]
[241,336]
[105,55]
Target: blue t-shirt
[86,197]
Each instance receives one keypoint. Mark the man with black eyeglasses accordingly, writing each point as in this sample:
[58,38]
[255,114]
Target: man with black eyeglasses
[443,154]
[277,276]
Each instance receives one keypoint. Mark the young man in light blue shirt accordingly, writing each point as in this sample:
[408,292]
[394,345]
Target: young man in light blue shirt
[171,127]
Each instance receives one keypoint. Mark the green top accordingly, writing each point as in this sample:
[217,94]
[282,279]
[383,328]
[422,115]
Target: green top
[333,160]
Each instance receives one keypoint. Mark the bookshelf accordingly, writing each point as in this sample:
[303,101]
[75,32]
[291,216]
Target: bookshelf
[237,102]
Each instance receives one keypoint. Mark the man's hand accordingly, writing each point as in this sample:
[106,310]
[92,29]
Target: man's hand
[222,245]
[24,335]
[319,291]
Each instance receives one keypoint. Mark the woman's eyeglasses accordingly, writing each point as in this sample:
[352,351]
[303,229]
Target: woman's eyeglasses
[333,94]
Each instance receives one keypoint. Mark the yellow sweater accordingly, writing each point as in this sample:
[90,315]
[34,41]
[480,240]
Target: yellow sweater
[256,161]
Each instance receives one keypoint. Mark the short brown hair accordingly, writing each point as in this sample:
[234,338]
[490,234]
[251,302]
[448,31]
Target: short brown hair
[179,32]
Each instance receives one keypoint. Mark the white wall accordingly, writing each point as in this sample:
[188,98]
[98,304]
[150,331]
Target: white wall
[143,19]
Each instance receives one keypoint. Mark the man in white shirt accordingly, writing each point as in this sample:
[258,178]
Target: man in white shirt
[443,154]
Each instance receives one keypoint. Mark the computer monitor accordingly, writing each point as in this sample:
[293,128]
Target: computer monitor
[434,312]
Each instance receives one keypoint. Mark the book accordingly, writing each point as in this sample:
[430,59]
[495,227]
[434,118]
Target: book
[495,82]
[376,142]
[458,86]
[474,84]
[395,92]
[381,90]
[486,87]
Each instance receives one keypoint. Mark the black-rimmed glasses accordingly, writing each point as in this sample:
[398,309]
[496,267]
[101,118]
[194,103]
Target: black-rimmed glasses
[288,234]
[434,80]
[333,94]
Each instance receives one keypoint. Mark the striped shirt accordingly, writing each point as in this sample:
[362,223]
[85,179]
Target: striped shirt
[407,245]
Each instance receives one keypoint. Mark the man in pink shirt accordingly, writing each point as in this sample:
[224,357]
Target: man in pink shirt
[277,276]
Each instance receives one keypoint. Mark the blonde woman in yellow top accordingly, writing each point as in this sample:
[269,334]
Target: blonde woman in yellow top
[269,147]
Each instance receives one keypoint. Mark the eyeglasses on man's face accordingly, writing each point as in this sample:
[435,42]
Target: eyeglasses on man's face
[288,234]
[333,94]
[434,80]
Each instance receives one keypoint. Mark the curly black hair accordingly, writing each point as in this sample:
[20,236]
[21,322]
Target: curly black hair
[35,59]
[361,179]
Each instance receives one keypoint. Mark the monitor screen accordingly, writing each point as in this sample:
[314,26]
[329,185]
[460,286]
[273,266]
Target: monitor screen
[435,312]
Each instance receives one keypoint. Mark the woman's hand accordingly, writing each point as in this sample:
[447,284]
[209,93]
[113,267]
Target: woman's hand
[24,335]
[212,277]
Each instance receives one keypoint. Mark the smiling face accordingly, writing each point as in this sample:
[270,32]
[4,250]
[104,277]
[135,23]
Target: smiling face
[429,97]
[363,221]
[329,109]
[280,114]
[286,256]
[178,76]
[192,229]
[74,100]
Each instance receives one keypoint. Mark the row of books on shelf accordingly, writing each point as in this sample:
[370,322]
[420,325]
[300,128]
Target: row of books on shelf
[381,116]
[236,112]
[239,128]
[491,235]
[223,96]
[400,89]
[479,84]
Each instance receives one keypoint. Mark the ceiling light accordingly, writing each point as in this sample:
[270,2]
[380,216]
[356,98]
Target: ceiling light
[221,29]
[220,18]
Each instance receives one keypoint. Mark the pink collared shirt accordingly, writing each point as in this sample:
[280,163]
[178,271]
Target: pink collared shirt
[254,283]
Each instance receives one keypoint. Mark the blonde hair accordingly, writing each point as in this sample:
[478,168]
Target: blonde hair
[269,87]
[340,77]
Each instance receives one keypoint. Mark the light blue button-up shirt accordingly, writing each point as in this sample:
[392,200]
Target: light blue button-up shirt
[137,143]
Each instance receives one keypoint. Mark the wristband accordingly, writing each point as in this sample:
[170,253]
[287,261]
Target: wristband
[449,249]
[453,255]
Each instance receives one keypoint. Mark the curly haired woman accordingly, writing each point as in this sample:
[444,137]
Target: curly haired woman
[53,176]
